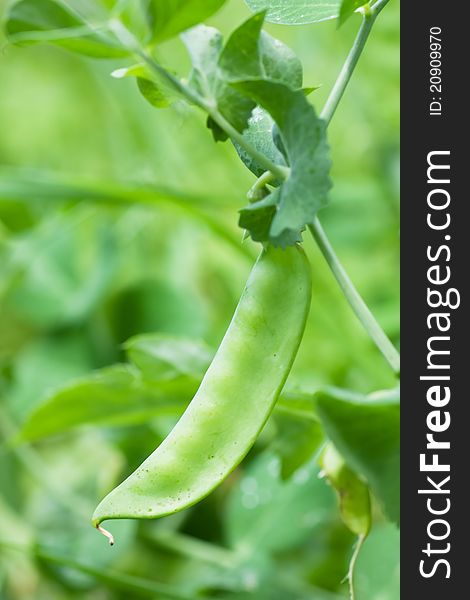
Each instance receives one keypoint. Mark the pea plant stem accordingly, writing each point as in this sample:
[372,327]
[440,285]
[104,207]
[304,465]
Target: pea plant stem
[369,16]
[355,300]
[351,294]
[276,170]
[378,6]
[358,305]
[352,566]
[129,41]
[347,70]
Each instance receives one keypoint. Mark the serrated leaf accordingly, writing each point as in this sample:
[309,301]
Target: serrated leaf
[263,135]
[162,357]
[296,12]
[113,396]
[257,218]
[167,18]
[304,139]
[367,434]
[348,7]
[39,21]
[353,493]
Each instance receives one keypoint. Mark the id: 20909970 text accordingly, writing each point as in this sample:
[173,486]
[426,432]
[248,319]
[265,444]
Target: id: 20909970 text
[435,71]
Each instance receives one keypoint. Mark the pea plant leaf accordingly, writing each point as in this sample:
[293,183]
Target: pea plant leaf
[249,53]
[259,134]
[164,373]
[296,12]
[167,18]
[116,395]
[162,357]
[156,92]
[263,135]
[38,21]
[281,217]
[205,45]
[163,376]
[348,7]
[296,442]
[367,434]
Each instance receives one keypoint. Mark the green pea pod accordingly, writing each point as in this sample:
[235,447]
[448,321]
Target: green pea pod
[234,400]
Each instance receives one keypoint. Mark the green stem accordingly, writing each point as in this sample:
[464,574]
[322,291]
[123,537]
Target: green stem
[258,190]
[355,300]
[378,6]
[277,170]
[368,20]
[358,305]
[280,172]
[352,566]
[129,41]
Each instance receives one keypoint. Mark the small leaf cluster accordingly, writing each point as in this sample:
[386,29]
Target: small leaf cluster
[250,87]
[253,71]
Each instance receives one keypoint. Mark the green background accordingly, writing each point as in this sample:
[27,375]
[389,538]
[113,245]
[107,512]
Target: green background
[154,247]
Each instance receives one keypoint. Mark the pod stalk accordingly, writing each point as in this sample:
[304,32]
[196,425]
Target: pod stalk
[106,534]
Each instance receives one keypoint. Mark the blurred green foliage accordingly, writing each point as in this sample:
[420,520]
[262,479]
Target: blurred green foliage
[117,220]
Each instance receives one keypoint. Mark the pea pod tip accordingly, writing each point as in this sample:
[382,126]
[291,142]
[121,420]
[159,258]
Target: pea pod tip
[107,534]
